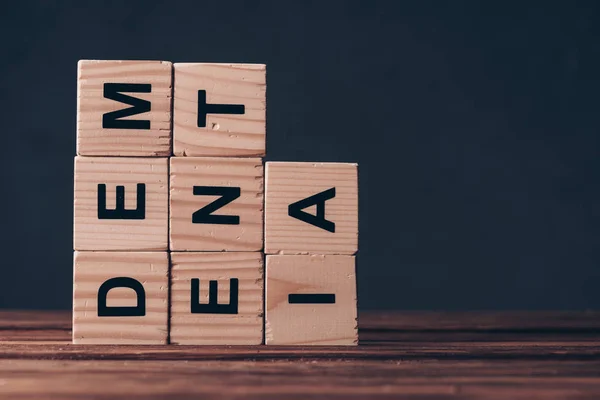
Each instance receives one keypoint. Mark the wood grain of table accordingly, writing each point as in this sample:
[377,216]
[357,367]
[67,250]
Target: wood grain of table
[421,355]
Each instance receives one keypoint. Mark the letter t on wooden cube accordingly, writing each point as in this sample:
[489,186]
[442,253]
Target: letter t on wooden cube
[311,208]
[120,297]
[311,300]
[219,110]
[124,108]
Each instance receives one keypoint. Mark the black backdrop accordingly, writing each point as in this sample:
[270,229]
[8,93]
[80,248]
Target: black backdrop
[475,126]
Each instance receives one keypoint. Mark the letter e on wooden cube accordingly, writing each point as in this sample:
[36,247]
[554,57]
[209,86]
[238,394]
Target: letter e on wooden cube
[217,298]
[121,203]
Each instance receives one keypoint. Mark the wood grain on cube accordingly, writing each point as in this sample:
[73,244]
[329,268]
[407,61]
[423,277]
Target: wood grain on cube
[93,233]
[243,328]
[288,183]
[220,134]
[216,174]
[311,300]
[92,269]
[93,138]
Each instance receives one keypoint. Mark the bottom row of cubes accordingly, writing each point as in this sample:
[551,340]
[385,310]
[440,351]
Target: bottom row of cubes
[214,299]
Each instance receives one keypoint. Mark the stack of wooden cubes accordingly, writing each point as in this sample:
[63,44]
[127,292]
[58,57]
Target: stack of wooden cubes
[175,214]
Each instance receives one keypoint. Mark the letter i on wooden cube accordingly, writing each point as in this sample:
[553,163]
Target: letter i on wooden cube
[311,300]
[216,204]
[124,108]
[120,297]
[217,298]
[121,203]
[219,110]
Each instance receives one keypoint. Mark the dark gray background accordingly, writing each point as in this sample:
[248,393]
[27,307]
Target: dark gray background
[475,126]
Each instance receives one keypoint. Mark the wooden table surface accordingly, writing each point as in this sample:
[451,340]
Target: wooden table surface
[422,355]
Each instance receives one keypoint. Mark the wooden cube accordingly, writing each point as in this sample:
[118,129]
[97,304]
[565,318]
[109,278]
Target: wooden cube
[311,300]
[219,110]
[121,203]
[311,208]
[124,108]
[217,298]
[120,297]
[216,204]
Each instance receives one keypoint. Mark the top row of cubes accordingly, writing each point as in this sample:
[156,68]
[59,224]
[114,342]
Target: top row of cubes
[147,108]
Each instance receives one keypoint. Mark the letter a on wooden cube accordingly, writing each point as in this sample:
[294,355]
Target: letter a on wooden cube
[216,204]
[311,208]
[219,110]
[217,298]
[311,300]
[124,108]
[120,298]
[121,203]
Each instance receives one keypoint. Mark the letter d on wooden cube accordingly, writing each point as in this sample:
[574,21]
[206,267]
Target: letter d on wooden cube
[120,298]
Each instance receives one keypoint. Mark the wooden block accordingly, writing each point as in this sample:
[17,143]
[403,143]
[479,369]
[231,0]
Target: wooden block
[311,208]
[124,108]
[120,297]
[311,300]
[135,220]
[219,110]
[217,298]
[216,204]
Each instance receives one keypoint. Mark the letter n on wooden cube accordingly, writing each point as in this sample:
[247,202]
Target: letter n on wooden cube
[121,203]
[311,208]
[217,298]
[216,204]
[124,108]
[311,300]
[120,297]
